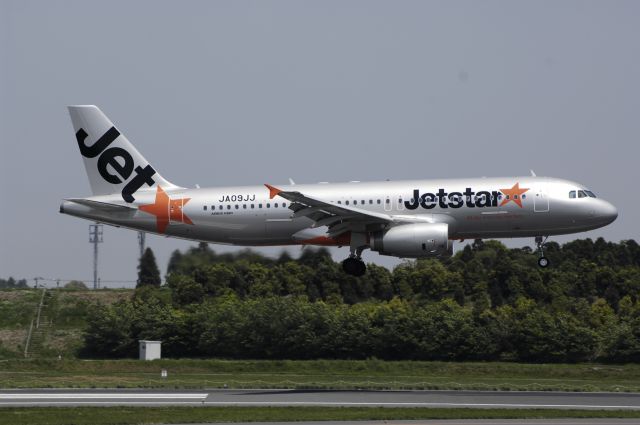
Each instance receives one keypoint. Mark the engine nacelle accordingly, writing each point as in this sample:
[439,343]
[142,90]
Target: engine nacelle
[413,240]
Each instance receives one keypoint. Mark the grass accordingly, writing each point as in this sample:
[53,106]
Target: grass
[67,310]
[171,415]
[17,308]
[320,374]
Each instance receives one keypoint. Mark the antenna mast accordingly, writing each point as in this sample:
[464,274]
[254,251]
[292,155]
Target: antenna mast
[95,237]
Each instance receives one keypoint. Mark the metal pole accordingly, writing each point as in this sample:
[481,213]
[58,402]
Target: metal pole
[95,237]
[95,265]
[141,242]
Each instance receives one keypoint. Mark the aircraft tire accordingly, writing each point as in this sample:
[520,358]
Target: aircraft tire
[543,262]
[354,267]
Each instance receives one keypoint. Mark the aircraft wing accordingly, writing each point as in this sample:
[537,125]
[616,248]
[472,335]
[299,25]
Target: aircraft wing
[339,218]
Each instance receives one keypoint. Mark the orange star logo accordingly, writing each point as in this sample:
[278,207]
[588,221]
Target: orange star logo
[166,209]
[514,194]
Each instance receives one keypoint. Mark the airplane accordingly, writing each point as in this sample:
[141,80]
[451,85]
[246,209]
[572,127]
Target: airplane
[407,219]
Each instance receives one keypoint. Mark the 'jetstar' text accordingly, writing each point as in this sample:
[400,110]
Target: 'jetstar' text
[443,199]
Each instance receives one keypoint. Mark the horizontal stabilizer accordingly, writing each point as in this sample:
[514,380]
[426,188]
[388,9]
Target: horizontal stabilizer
[102,206]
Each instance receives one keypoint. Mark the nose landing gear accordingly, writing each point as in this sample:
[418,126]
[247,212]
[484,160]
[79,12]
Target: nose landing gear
[542,260]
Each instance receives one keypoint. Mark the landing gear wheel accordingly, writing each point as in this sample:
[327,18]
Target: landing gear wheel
[542,260]
[354,266]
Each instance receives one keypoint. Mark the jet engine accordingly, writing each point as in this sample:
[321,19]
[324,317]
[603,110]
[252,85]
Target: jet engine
[413,240]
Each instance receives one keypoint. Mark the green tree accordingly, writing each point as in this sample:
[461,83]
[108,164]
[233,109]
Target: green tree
[292,277]
[109,331]
[184,289]
[75,285]
[148,272]
[262,282]
[217,279]
[380,279]
[11,283]
[175,261]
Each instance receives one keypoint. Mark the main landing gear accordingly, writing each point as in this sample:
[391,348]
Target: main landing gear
[542,260]
[354,266]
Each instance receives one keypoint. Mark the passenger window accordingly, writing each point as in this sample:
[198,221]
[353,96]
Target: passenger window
[220,207]
[252,206]
[259,205]
[370,201]
[268,205]
[572,194]
[244,206]
[275,205]
[346,202]
[205,207]
[362,202]
[237,206]
[340,202]
[228,207]
[378,201]
[581,194]
[355,202]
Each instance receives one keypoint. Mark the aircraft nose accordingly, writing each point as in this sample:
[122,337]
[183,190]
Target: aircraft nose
[607,212]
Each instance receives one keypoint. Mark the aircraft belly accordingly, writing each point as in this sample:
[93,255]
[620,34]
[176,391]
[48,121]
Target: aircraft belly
[280,231]
[481,223]
[260,229]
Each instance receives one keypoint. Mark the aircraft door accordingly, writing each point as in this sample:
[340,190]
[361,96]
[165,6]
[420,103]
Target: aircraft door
[387,204]
[541,200]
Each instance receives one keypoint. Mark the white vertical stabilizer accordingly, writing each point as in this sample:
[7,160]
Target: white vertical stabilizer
[112,163]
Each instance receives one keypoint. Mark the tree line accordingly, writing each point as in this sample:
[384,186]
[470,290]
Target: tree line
[486,302]
[12,283]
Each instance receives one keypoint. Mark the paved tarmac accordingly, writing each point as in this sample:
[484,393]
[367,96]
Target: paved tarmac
[460,422]
[285,397]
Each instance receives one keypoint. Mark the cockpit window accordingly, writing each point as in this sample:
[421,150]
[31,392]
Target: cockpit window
[590,193]
[572,194]
[581,194]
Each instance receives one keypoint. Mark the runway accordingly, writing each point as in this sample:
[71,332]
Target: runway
[285,397]
[460,422]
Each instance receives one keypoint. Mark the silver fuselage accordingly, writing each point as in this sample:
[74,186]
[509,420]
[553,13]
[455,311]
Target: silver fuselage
[473,208]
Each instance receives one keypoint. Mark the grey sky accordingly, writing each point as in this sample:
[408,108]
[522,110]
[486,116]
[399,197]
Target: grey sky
[225,93]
